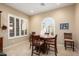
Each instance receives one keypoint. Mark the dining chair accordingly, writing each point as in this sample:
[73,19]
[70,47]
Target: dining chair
[52,45]
[30,38]
[36,43]
[68,42]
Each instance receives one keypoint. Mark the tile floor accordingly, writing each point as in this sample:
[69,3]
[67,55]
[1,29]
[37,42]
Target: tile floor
[24,49]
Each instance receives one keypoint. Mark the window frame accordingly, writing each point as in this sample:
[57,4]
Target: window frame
[20,18]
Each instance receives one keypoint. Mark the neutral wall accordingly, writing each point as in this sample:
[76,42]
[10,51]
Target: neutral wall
[77,25]
[61,15]
[4,20]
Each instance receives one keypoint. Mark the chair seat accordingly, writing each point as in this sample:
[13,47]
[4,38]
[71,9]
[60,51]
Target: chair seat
[70,40]
[51,40]
[51,43]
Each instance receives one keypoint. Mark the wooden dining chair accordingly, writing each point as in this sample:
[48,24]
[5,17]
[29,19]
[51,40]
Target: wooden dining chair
[68,42]
[52,45]
[36,43]
[30,38]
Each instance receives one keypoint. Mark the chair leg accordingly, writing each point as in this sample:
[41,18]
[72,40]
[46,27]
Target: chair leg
[39,50]
[48,47]
[32,51]
[32,54]
[65,44]
[73,46]
[55,51]
[30,45]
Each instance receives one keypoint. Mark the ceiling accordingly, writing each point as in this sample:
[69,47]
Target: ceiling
[36,8]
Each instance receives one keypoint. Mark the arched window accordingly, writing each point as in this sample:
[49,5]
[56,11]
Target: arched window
[48,26]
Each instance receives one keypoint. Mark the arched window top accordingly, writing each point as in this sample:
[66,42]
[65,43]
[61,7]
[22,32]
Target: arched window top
[48,21]
[48,25]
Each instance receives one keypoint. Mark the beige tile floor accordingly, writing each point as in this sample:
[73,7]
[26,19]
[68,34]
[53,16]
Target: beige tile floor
[24,49]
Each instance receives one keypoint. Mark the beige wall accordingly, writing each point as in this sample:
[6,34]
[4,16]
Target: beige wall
[77,25]
[65,14]
[4,20]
